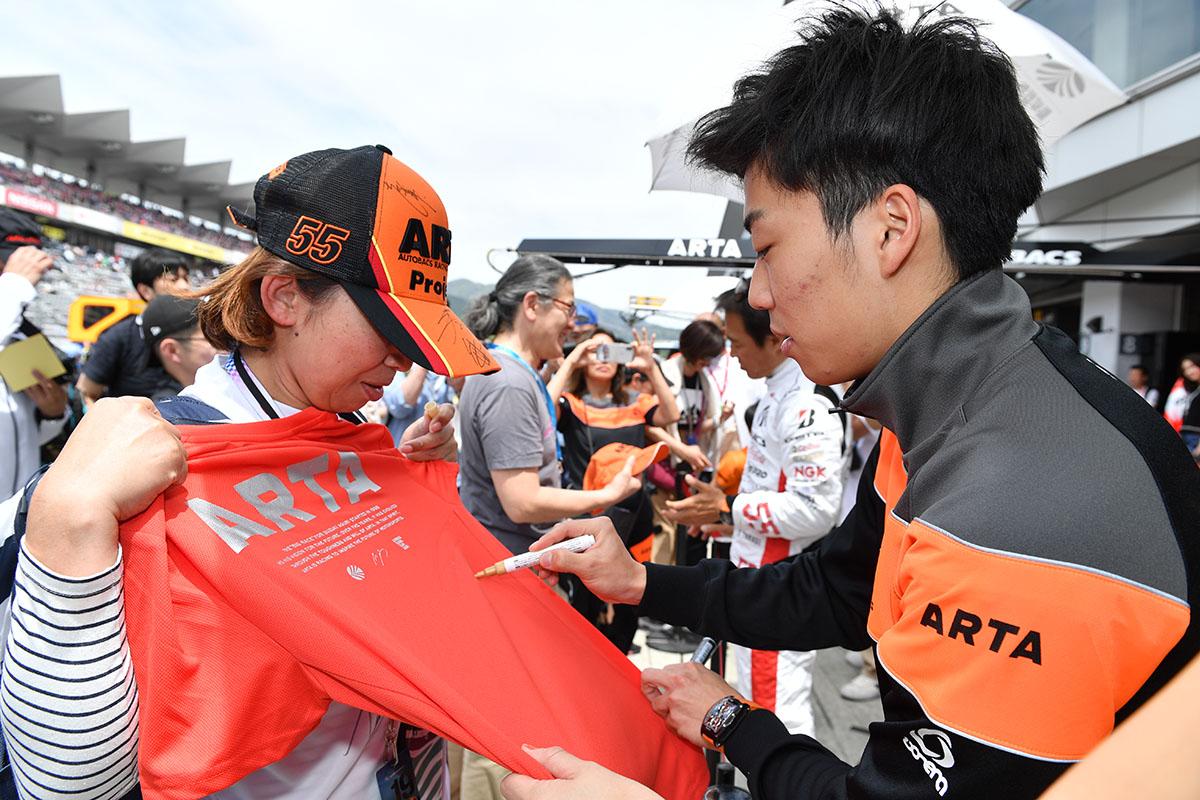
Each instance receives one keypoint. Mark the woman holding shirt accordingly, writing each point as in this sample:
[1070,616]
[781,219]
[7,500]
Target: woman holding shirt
[345,288]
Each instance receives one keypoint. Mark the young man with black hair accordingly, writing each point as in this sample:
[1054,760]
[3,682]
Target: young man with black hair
[119,363]
[1023,552]
[790,494]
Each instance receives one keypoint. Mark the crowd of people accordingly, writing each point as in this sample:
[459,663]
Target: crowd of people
[74,193]
[862,446]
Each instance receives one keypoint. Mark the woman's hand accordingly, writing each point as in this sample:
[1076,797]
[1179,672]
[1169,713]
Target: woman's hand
[643,352]
[585,348]
[574,779]
[623,485]
[693,455]
[431,438]
[121,457]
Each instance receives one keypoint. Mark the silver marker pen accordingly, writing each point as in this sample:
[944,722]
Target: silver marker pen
[703,651]
[514,563]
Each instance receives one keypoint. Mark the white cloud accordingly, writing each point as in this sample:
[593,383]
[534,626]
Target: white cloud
[528,117]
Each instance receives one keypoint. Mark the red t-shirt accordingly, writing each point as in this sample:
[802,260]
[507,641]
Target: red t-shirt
[304,560]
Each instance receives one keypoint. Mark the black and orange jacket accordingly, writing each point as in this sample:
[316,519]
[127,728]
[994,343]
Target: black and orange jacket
[1023,556]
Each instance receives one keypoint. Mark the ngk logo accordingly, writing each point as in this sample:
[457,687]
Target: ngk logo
[808,472]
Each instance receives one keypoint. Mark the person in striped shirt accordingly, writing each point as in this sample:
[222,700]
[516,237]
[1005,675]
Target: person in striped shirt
[69,702]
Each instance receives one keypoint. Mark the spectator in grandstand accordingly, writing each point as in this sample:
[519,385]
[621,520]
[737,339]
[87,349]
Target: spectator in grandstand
[1139,380]
[594,410]
[298,334]
[37,414]
[406,396]
[174,341]
[41,181]
[119,363]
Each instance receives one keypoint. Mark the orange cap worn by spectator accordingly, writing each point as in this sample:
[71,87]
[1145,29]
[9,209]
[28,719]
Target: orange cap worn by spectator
[304,560]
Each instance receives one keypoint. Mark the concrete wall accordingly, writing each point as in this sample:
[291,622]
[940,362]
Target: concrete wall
[1124,308]
[1101,299]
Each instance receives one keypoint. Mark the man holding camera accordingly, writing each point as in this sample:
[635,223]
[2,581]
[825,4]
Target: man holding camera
[790,495]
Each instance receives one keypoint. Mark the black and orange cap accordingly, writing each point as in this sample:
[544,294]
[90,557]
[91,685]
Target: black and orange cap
[371,223]
[17,230]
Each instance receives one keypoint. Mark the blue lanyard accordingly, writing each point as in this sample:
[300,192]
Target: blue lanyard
[550,409]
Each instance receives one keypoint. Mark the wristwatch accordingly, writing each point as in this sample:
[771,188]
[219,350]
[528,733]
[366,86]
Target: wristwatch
[722,719]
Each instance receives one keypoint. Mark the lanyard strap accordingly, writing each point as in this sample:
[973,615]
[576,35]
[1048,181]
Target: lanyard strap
[263,403]
[353,417]
[550,409]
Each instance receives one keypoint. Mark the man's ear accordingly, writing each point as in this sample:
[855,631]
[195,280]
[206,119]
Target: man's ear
[896,222]
[282,300]
[146,293]
[168,351]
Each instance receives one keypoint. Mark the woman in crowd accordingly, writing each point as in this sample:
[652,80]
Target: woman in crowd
[594,410]
[511,474]
[1182,410]
[511,470]
[700,411]
[307,320]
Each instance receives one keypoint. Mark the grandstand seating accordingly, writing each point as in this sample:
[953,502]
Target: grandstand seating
[82,271]
[90,197]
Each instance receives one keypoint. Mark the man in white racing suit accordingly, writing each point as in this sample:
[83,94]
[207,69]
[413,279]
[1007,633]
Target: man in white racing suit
[790,495]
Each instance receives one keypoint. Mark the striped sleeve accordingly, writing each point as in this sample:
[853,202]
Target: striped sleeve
[68,699]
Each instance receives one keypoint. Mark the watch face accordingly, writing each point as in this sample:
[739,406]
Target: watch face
[720,718]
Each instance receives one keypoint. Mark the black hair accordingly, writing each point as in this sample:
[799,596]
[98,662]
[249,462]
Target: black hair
[154,263]
[756,321]
[862,103]
[701,340]
[494,312]
[616,386]
[1142,367]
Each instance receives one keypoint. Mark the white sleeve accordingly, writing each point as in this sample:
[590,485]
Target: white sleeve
[68,699]
[806,506]
[49,428]
[15,294]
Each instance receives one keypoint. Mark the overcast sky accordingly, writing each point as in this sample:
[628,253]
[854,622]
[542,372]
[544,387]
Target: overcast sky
[529,117]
